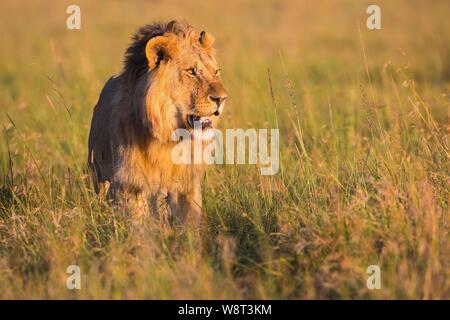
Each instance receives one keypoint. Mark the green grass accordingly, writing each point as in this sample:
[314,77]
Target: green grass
[365,170]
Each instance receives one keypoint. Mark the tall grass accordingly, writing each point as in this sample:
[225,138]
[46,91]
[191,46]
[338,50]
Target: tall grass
[363,119]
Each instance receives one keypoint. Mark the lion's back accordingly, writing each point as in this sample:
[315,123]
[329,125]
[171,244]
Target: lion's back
[101,143]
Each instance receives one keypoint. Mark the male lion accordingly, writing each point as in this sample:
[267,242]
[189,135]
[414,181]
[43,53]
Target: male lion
[170,80]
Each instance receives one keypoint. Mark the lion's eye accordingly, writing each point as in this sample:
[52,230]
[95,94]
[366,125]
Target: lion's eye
[217,72]
[192,72]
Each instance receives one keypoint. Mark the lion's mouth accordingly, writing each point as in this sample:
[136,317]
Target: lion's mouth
[197,122]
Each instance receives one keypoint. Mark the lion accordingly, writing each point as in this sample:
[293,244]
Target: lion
[170,80]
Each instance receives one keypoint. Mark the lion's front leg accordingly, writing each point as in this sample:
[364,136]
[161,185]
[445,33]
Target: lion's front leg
[194,206]
[187,208]
[134,204]
[161,207]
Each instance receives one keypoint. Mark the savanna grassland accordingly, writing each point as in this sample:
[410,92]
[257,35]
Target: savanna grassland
[365,164]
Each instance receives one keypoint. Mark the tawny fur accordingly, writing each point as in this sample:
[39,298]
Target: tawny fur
[169,74]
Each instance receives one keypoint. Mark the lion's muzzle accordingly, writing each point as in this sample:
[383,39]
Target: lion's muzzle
[217,95]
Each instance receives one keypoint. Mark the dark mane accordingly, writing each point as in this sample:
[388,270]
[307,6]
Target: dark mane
[135,63]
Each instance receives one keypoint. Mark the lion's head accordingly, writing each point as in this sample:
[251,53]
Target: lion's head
[181,77]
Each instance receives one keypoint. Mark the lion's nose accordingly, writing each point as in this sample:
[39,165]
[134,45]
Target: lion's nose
[218,99]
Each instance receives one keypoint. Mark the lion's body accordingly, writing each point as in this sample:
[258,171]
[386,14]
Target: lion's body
[143,164]
[137,112]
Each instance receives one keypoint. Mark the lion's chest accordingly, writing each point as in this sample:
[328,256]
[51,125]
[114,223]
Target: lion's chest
[154,169]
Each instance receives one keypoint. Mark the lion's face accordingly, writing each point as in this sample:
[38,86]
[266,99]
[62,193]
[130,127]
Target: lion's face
[200,95]
[186,71]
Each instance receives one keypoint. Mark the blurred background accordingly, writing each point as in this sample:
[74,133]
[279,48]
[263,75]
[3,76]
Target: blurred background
[320,44]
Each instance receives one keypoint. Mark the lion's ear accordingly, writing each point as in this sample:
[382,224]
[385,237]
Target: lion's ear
[206,40]
[160,48]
